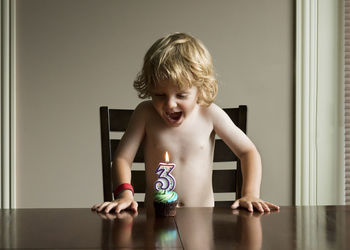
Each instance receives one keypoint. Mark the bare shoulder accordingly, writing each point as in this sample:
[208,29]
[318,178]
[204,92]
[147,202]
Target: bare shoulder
[213,108]
[219,118]
[143,110]
[145,106]
[213,112]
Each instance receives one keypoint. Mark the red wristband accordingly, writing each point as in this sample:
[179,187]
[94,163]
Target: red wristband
[122,187]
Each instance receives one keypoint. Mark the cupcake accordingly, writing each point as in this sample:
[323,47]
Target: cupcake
[165,203]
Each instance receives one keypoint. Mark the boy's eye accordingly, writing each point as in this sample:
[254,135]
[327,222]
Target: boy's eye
[182,95]
[159,95]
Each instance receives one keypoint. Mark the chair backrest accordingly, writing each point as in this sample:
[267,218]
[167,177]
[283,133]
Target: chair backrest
[224,180]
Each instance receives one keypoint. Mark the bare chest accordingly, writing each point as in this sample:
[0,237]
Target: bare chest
[191,148]
[181,143]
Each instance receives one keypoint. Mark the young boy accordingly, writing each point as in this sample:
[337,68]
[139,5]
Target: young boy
[182,119]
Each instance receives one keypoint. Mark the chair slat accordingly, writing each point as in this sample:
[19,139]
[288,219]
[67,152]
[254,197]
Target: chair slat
[226,204]
[119,119]
[233,113]
[224,180]
[242,118]
[222,152]
[106,156]
[138,181]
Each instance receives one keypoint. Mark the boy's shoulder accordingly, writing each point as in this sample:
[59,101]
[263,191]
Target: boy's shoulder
[211,110]
[144,106]
[144,109]
[212,107]
[214,114]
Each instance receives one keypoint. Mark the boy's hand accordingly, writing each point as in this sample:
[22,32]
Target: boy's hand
[124,201]
[251,202]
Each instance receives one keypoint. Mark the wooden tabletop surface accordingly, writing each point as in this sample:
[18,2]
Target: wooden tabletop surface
[322,227]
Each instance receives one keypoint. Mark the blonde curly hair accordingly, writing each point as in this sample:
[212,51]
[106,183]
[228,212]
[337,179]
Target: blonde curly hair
[182,60]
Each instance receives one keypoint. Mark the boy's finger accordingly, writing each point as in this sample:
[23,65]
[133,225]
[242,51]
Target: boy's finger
[272,205]
[96,206]
[258,206]
[134,206]
[265,206]
[110,207]
[102,207]
[121,206]
[250,207]
[235,204]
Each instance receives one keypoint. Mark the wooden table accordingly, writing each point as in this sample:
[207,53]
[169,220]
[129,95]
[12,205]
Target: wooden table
[323,227]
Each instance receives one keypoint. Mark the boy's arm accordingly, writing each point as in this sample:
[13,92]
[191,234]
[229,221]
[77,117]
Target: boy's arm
[246,151]
[129,144]
[123,159]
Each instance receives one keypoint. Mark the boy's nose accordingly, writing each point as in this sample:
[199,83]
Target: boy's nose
[171,103]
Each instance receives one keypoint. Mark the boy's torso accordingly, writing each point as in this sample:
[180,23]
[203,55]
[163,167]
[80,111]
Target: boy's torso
[190,147]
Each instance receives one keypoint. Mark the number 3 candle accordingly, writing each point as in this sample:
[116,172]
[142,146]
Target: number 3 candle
[165,180]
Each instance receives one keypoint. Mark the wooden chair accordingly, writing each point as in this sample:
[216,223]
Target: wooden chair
[116,120]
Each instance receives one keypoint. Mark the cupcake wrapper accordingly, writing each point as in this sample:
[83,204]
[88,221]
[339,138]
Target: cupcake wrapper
[165,209]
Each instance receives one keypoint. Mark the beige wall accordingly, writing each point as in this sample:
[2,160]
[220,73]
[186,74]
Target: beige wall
[73,56]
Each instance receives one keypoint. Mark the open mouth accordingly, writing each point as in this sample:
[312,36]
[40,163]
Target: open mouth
[173,117]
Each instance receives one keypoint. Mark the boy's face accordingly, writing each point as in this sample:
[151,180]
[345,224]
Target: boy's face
[173,104]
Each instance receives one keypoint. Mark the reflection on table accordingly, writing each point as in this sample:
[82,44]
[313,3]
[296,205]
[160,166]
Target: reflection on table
[323,227]
[210,228]
[129,230]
